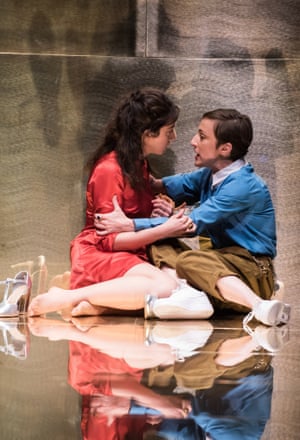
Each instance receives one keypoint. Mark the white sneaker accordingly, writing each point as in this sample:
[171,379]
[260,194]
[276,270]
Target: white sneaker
[270,312]
[184,303]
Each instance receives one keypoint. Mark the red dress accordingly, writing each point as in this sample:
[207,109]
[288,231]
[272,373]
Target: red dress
[92,257]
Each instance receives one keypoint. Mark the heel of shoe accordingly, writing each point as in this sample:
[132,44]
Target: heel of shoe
[24,299]
[21,295]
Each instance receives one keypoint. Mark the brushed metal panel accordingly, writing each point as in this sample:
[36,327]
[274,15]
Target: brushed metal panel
[222,29]
[83,27]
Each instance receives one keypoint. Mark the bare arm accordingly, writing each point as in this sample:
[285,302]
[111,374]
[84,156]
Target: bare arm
[169,406]
[114,221]
[177,225]
[117,221]
[157,185]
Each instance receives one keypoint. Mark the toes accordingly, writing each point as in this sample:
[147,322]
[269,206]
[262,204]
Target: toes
[84,309]
[80,309]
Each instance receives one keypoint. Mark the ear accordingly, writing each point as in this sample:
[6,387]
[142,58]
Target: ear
[148,133]
[225,149]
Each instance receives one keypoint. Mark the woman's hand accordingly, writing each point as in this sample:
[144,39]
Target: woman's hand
[114,221]
[179,225]
[163,206]
[173,407]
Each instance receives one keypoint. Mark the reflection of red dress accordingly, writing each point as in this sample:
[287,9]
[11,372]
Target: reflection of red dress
[93,258]
[89,374]
[90,369]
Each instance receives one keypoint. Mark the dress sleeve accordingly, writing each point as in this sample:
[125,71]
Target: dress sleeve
[105,182]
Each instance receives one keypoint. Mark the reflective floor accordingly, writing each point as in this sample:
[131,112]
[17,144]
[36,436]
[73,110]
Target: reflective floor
[126,378]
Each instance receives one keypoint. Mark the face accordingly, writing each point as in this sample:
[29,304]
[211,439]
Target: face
[154,143]
[207,154]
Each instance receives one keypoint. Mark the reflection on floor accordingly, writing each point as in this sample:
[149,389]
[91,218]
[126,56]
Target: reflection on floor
[126,378]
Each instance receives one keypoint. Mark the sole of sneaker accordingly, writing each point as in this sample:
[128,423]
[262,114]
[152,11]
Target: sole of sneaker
[148,314]
[279,314]
[173,312]
[285,314]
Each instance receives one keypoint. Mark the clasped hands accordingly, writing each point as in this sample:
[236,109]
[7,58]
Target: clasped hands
[178,224]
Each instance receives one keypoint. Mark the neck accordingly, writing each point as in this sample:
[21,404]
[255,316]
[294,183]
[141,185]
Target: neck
[223,163]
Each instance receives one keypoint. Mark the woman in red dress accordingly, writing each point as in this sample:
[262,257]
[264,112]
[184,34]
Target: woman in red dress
[115,266]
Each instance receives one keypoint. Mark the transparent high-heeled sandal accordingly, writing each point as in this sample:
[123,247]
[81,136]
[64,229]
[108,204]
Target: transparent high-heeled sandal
[16,295]
[15,338]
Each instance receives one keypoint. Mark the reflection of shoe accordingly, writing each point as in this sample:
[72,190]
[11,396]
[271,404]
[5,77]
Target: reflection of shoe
[184,303]
[16,296]
[184,337]
[270,338]
[270,312]
[15,338]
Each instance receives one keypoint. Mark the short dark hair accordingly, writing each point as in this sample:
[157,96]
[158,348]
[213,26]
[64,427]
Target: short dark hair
[234,127]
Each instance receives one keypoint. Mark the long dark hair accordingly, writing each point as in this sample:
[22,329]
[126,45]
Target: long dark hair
[144,109]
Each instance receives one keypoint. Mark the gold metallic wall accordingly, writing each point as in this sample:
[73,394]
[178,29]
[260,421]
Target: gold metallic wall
[64,64]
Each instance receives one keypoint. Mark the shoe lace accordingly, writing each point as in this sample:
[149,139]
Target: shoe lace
[248,329]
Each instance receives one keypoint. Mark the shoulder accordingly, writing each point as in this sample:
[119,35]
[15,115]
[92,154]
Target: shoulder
[107,163]
[107,168]
[248,175]
[245,182]
[196,176]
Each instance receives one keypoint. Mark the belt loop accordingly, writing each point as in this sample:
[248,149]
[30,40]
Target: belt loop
[263,263]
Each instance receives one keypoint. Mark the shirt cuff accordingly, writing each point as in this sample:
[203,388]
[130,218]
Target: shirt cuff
[147,223]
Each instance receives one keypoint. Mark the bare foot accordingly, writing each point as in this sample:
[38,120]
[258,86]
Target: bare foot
[84,323]
[84,308]
[54,300]
[53,329]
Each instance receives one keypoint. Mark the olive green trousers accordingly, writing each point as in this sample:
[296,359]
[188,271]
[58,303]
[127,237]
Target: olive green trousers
[203,267]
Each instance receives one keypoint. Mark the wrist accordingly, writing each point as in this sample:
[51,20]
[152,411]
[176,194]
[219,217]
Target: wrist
[162,231]
[130,225]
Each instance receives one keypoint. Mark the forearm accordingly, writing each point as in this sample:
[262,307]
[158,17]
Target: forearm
[134,240]
[178,225]
[157,185]
[130,388]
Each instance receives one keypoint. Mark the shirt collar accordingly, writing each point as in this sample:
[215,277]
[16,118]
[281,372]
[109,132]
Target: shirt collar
[221,175]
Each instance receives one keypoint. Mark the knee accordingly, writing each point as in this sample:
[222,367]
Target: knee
[163,286]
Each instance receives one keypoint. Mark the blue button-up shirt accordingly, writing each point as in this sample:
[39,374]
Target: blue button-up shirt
[235,208]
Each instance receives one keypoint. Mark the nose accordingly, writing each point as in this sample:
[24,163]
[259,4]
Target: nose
[194,141]
[173,135]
